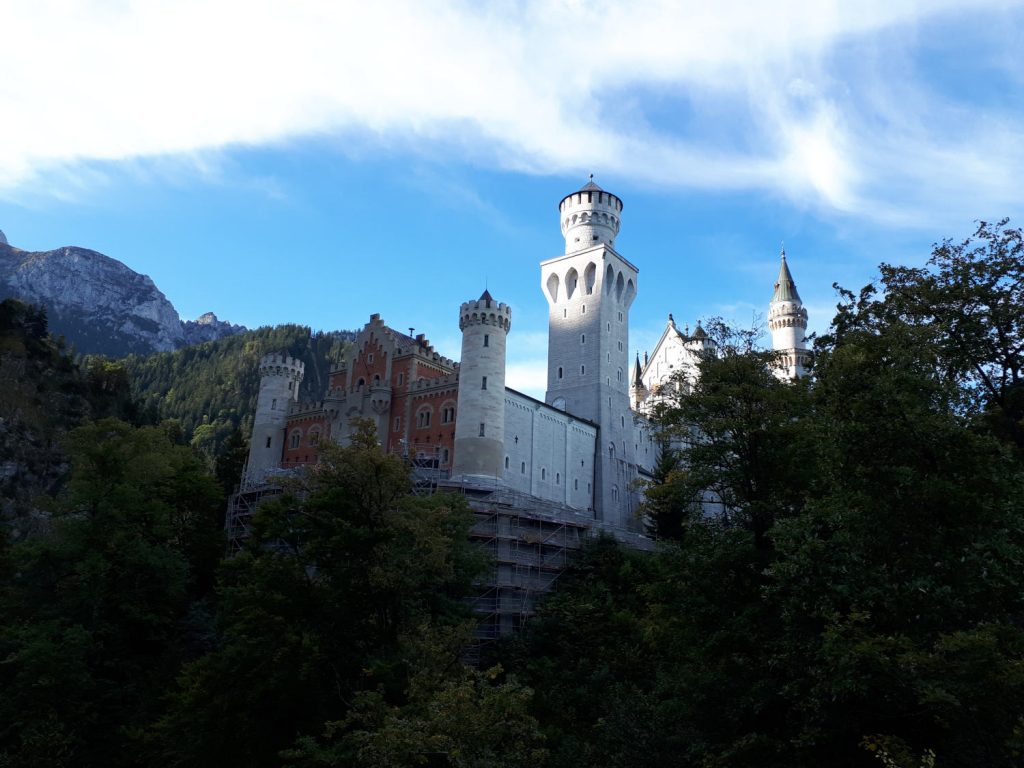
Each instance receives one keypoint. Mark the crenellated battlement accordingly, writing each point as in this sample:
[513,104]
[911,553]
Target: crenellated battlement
[590,217]
[281,364]
[485,311]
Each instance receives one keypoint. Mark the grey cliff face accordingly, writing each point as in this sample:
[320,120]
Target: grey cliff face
[98,303]
[207,327]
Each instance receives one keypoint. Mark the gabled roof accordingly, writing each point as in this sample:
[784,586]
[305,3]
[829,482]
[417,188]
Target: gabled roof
[785,288]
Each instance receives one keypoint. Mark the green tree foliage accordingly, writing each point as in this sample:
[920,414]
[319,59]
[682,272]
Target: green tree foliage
[336,577]
[43,394]
[91,611]
[211,388]
[860,599]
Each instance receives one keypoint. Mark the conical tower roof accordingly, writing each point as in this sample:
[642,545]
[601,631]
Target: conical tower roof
[785,288]
[638,380]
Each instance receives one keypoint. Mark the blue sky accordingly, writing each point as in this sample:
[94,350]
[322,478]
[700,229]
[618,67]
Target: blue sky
[318,161]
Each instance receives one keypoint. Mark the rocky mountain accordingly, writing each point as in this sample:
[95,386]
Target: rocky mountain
[100,305]
[208,328]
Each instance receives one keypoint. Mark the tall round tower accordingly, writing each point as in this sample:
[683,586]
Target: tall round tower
[480,424]
[280,376]
[787,320]
[590,217]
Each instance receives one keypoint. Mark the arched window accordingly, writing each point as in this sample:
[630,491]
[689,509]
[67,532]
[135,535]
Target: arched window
[543,473]
[295,438]
[506,462]
[314,437]
[522,468]
[423,417]
[360,384]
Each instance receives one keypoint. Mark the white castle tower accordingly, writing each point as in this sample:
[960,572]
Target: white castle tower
[787,320]
[589,291]
[480,425]
[280,376]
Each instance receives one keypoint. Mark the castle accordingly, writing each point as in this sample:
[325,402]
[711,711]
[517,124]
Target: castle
[580,450]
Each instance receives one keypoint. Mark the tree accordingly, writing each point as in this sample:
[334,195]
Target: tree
[338,571]
[91,612]
[739,430]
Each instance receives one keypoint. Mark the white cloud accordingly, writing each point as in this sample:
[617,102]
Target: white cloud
[533,86]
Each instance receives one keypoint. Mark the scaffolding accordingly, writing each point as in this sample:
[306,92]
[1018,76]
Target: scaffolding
[531,542]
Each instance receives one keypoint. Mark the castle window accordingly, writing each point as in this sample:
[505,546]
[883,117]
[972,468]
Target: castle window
[543,473]
[522,468]
[576,484]
[565,313]
[619,374]
[376,379]
[559,371]
[583,370]
[620,346]
[290,385]
[487,340]
[583,338]
[360,384]
[615,493]
[314,438]
[268,441]
[401,378]
[398,424]
[481,429]
[423,418]
[558,478]
[583,309]
[369,358]
[444,456]
[273,404]
[620,317]
[296,438]
[483,384]
[506,462]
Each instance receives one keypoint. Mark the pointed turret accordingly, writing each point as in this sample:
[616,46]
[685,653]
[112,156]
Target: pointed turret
[787,320]
[785,288]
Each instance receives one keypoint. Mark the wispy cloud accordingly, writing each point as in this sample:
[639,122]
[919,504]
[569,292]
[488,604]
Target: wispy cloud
[819,102]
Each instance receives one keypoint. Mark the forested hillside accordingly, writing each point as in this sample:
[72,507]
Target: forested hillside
[211,388]
[43,394]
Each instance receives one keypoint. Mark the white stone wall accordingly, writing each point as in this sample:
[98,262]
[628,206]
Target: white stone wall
[550,453]
[280,376]
[480,426]
[589,293]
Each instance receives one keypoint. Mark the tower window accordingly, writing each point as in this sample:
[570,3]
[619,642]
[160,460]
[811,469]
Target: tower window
[565,313]
[583,370]
[444,456]
[398,424]
[290,385]
[559,371]
[506,462]
[483,384]
[268,441]
[487,340]
[273,404]
[369,358]
[543,473]
[481,429]
[522,468]
[558,478]
[620,317]
[583,309]
[401,378]
[583,338]
[576,484]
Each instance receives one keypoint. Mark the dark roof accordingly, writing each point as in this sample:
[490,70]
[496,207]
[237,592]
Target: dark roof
[486,296]
[590,186]
[699,332]
[785,288]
